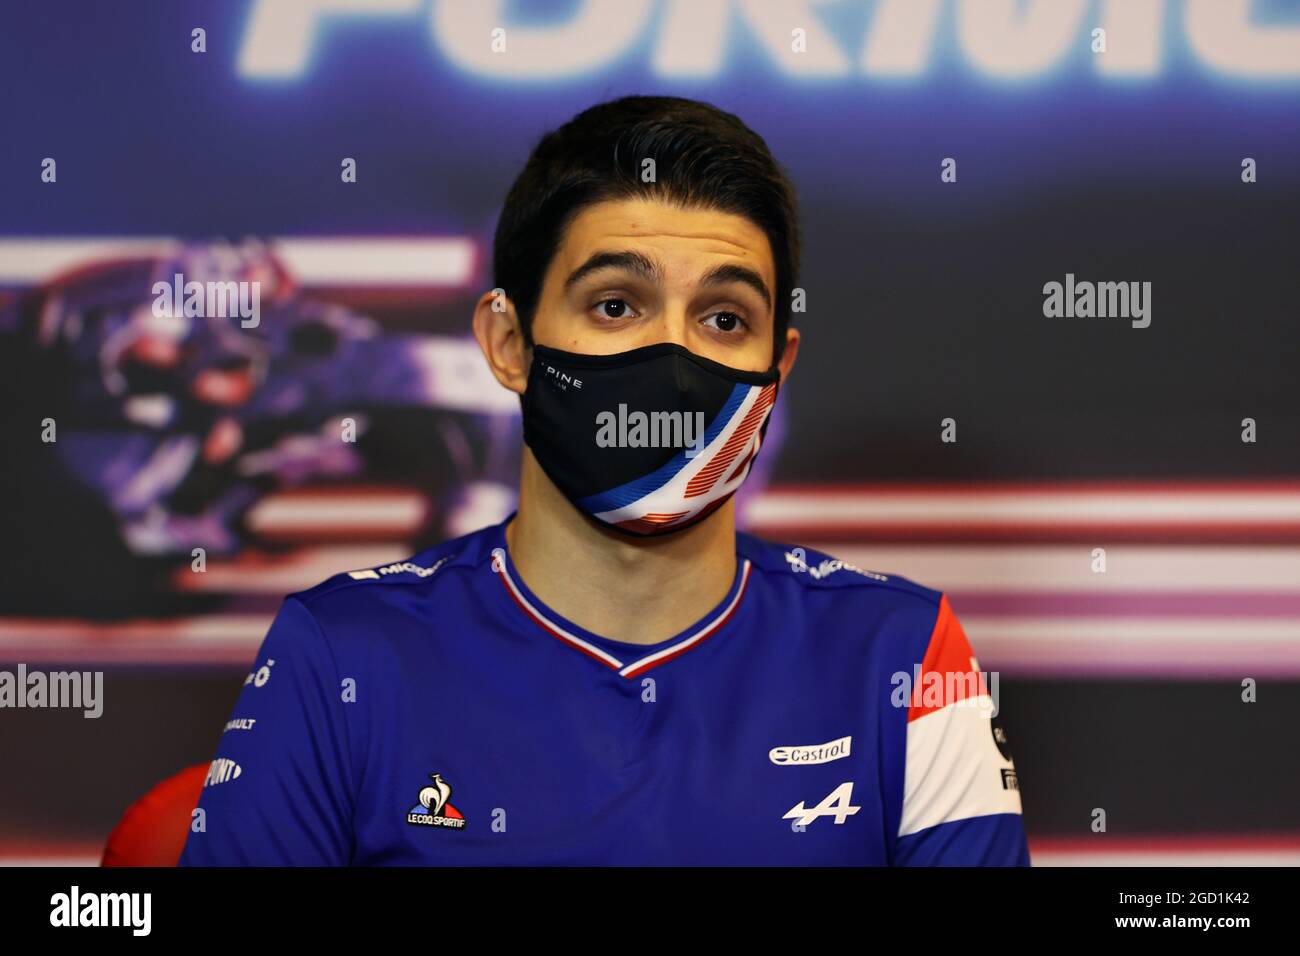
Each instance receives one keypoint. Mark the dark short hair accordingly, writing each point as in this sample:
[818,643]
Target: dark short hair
[704,157]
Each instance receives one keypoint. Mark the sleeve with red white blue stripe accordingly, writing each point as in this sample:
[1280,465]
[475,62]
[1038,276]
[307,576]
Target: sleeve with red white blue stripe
[961,797]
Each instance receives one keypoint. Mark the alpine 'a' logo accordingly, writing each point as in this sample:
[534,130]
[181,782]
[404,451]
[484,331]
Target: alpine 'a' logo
[434,808]
[838,804]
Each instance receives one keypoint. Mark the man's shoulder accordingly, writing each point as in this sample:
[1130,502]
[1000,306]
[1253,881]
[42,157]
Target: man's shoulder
[426,569]
[834,596]
[820,570]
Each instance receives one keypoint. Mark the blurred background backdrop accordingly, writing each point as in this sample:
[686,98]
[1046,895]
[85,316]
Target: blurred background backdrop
[1120,690]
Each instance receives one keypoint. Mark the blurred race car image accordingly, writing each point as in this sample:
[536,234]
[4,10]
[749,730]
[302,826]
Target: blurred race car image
[168,427]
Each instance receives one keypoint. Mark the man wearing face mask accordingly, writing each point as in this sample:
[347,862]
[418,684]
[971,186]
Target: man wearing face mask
[614,675]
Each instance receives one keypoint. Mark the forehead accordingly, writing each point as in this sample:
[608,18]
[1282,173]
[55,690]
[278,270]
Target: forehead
[683,239]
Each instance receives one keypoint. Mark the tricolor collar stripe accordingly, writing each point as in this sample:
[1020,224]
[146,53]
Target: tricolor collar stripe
[668,653]
[609,660]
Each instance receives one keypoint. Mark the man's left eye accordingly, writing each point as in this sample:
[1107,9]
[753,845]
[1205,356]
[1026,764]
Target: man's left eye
[726,321]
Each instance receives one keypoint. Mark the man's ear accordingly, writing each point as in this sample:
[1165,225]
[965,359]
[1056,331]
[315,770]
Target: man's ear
[496,326]
[791,350]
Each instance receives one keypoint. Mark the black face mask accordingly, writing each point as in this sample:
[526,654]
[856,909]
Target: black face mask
[647,441]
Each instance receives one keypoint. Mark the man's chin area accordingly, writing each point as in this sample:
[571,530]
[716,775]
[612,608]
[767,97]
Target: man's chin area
[673,536]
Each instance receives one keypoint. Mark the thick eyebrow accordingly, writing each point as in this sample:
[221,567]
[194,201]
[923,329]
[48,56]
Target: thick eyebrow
[651,271]
[742,274]
[634,262]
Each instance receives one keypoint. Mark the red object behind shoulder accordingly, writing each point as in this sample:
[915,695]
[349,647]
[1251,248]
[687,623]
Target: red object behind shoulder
[153,830]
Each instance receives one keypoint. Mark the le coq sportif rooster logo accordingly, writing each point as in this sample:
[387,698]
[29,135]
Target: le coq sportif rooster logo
[432,798]
[434,808]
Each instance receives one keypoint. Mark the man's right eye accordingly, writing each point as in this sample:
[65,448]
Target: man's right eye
[613,308]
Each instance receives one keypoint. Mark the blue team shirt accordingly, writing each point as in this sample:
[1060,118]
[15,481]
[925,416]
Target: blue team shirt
[436,712]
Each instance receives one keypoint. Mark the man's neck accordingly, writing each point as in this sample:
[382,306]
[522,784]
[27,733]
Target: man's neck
[639,590]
